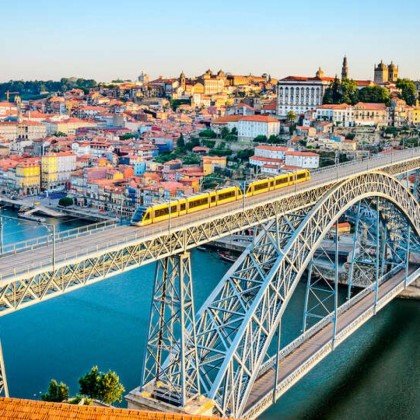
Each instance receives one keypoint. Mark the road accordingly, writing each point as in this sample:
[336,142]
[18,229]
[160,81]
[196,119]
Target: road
[26,261]
[294,360]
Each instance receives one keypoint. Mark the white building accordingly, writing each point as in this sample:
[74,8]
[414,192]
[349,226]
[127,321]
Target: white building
[341,114]
[257,125]
[272,152]
[300,94]
[306,160]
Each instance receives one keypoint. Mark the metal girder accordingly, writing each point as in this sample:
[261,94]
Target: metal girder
[3,380]
[236,324]
[22,286]
[172,311]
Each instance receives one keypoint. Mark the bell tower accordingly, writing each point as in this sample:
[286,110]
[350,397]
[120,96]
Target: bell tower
[345,69]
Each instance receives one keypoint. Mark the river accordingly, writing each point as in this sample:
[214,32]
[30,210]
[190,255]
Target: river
[375,374]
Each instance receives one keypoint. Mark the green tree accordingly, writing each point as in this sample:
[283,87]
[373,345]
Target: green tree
[208,133]
[105,387]
[57,392]
[110,389]
[375,94]
[341,92]
[90,382]
[127,136]
[65,201]
[180,143]
[224,132]
[260,139]
[291,116]
[408,90]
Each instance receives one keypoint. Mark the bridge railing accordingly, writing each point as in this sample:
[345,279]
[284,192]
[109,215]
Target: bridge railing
[43,240]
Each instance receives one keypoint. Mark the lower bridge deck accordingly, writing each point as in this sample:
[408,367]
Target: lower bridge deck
[292,366]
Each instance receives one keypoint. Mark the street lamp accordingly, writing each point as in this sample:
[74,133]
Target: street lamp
[51,229]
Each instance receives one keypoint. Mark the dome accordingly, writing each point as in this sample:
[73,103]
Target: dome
[381,66]
[392,66]
[320,73]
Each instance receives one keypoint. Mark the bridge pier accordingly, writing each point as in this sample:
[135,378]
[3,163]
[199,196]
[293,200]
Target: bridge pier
[170,377]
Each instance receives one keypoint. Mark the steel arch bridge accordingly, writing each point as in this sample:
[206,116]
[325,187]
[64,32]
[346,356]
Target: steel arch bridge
[226,349]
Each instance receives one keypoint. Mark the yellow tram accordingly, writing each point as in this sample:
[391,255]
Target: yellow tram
[153,213]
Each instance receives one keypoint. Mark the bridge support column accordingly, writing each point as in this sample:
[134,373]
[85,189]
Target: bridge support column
[416,185]
[276,374]
[353,252]
[407,261]
[335,286]
[171,355]
[3,380]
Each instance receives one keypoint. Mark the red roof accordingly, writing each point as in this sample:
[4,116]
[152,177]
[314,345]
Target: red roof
[260,118]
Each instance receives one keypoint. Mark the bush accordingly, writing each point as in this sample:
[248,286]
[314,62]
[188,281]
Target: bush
[65,201]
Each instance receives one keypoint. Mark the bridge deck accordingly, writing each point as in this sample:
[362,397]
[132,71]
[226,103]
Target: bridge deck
[66,250]
[264,385]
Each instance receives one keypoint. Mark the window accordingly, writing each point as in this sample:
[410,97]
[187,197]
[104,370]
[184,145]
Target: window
[260,186]
[226,195]
[198,202]
[162,212]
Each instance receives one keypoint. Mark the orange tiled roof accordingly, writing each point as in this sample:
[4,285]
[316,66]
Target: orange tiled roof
[14,408]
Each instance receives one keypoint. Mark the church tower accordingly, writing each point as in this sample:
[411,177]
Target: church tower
[182,80]
[345,69]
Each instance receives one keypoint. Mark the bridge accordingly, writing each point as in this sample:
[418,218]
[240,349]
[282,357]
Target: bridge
[222,358]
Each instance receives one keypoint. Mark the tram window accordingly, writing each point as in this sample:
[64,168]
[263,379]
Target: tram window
[281,181]
[182,207]
[199,202]
[300,176]
[147,216]
[213,199]
[260,186]
[226,195]
[162,212]
[173,209]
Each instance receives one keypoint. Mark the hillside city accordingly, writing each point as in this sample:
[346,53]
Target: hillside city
[110,147]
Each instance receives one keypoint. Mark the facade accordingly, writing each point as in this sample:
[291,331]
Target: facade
[371,114]
[345,69]
[271,152]
[28,176]
[257,125]
[300,94]
[307,160]
[56,169]
[340,114]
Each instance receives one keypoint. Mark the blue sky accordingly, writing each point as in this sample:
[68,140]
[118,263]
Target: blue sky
[102,39]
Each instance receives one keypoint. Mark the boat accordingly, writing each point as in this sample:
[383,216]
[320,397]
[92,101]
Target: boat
[202,248]
[226,257]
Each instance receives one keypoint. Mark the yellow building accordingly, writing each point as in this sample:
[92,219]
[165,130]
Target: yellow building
[415,115]
[49,177]
[209,163]
[28,176]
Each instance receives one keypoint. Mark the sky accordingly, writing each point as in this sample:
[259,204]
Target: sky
[105,40]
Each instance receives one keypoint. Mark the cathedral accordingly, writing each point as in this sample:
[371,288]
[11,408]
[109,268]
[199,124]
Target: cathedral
[384,73]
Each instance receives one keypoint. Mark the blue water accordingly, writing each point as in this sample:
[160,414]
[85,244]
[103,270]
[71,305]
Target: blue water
[373,375]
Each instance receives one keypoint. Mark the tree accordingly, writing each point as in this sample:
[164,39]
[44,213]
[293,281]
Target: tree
[57,392]
[291,116]
[65,201]
[260,139]
[210,134]
[341,92]
[180,143]
[127,136]
[90,382]
[105,387]
[224,132]
[408,90]
[375,94]
[110,389]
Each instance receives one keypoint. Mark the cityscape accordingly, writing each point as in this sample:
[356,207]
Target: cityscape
[248,227]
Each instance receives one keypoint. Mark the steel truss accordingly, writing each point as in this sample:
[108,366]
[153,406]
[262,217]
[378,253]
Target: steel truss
[31,286]
[172,311]
[3,380]
[236,324]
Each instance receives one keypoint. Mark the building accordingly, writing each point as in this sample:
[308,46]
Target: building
[271,152]
[28,176]
[385,73]
[257,125]
[210,163]
[300,94]
[307,160]
[56,169]
[371,114]
[340,114]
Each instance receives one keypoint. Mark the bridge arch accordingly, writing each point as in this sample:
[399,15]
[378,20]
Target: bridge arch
[244,350]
